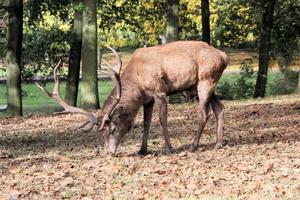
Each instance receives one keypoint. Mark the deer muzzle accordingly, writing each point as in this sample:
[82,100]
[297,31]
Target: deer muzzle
[111,145]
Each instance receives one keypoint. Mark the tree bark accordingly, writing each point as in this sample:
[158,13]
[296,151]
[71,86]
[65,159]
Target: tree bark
[13,56]
[264,48]
[89,87]
[172,33]
[205,21]
[172,20]
[74,59]
[298,86]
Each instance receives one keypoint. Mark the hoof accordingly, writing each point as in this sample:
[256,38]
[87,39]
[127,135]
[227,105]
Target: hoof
[192,148]
[219,146]
[142,152]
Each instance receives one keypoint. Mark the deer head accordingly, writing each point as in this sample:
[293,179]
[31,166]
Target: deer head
[102,118]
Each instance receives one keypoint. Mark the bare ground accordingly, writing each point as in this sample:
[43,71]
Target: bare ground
[45,157]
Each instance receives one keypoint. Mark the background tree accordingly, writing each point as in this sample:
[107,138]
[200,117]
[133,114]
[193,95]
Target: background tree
[74,56]
[3,28]
[89,84]
[172,20]
[298,86]
[264,47]
[234,23]
[13,57]
[172,33]
[46,36]
[205,21]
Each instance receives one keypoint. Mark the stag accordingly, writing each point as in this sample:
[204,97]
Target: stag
[152,74]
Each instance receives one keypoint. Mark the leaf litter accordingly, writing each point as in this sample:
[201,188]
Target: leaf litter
[45,157]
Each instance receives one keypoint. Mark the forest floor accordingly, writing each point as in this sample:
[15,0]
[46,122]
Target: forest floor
[45,157]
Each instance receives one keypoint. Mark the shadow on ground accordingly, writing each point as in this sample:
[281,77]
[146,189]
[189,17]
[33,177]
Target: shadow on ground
[247,125]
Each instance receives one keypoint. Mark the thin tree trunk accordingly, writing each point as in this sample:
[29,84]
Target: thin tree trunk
[89,87]
[298,86]
[172,20]
[264,48]
[13,56]
[205,21]
[172,33]
[74,59]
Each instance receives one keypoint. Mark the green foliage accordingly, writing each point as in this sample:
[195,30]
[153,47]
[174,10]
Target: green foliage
[242,87]
[137,23]
[36,9]
[131,22]
[190,19]
[286,31]
[233,22]
[35,100]
[224,89]
[3,17]
[283,83]
[45,40]
[41,49]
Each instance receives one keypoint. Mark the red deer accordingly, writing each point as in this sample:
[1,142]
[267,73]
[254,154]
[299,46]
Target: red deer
[151,75]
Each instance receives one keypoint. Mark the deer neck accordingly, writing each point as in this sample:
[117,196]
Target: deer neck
[130,102]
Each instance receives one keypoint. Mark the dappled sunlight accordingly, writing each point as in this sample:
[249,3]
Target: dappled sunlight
[260,157]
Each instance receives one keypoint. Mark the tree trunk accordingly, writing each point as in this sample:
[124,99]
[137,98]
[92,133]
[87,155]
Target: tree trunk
[205,21]
[89,87]
[264,48]
[74,59]
[172,20]
[298,86]
[13,56]
[172,33]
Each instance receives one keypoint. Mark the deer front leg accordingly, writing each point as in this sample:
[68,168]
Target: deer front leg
[218,109]
[148,108]
[163,117]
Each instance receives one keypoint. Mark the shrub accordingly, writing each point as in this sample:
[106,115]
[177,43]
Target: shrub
[225,90]
[284,83]
[242,87]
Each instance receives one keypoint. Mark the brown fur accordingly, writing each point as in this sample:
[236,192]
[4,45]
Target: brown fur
[158,71]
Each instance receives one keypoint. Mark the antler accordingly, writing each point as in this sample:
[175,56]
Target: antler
[92,119]
[118,66]
[115,76]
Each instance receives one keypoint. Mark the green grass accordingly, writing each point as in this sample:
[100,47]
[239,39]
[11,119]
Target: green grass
[2,73]
[277,84]
[35,101]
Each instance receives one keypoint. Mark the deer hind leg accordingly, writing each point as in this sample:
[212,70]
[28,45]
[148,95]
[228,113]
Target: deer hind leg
[218,109]
[161,102]
[205,90]
[148,108]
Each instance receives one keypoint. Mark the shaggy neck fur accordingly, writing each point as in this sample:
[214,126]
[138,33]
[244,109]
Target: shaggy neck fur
[126,110]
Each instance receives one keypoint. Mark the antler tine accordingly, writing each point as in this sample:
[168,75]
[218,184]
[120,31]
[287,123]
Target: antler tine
[92,119]
[105,61]
[118,58]
[117,81]
[88,128]
[115,78]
